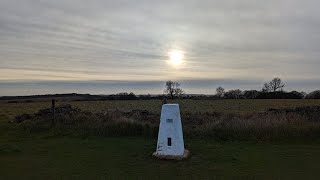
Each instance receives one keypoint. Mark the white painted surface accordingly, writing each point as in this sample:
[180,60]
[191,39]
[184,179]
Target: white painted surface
[170,127]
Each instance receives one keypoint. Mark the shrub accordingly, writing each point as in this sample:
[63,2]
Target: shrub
[314,95]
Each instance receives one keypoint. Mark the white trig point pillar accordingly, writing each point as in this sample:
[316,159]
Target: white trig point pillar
[170,138]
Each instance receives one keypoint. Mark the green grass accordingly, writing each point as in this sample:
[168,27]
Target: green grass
[46,155]
[130,158]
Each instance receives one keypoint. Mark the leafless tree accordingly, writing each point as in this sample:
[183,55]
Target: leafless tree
[173,89]
[274,85]
[220,92]
[266,88]
[178,92]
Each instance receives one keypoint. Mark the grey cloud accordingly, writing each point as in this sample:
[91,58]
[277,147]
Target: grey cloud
[123,37]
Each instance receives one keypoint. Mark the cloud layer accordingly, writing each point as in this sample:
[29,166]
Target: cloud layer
[129,40]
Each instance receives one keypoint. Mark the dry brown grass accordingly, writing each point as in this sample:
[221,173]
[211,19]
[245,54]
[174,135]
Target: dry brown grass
[269,125]
[234,106]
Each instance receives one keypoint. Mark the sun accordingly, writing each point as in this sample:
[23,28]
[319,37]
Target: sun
[175,57]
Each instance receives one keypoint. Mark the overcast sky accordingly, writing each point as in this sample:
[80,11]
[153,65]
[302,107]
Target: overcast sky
[222,42]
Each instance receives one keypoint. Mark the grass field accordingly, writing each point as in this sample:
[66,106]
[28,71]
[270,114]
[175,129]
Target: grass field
[130,158]
[192,106]
[47,155]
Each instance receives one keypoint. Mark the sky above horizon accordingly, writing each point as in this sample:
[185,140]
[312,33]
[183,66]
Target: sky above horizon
[220,43]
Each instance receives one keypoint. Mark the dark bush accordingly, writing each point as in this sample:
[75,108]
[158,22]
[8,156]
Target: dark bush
[12,101]
[233,94]
[280,95]
[251,94]
[22,117]
[314,95]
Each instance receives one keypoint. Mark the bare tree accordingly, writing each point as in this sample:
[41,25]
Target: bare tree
[274,85]
[266,88]
[220,92]
[173,89]
[170,86]
[178,92]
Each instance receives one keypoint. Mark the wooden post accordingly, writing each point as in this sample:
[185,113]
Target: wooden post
[164,101]
[53,109]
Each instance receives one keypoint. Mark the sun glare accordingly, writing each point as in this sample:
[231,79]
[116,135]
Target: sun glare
[175,57]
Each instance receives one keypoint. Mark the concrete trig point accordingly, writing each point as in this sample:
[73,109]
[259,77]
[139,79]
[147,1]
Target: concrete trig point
[170,138]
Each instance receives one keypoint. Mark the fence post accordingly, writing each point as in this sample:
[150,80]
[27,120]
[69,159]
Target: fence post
[164,101]
[53,109]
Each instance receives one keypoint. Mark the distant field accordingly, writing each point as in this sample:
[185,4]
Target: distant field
[192,106]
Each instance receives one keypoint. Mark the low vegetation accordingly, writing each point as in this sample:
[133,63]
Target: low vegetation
[273,124]
[232,106]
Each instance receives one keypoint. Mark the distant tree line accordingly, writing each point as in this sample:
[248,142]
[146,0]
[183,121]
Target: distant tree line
[271,90]
[254,94]
[220,94]
[122,96]
[172,90]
